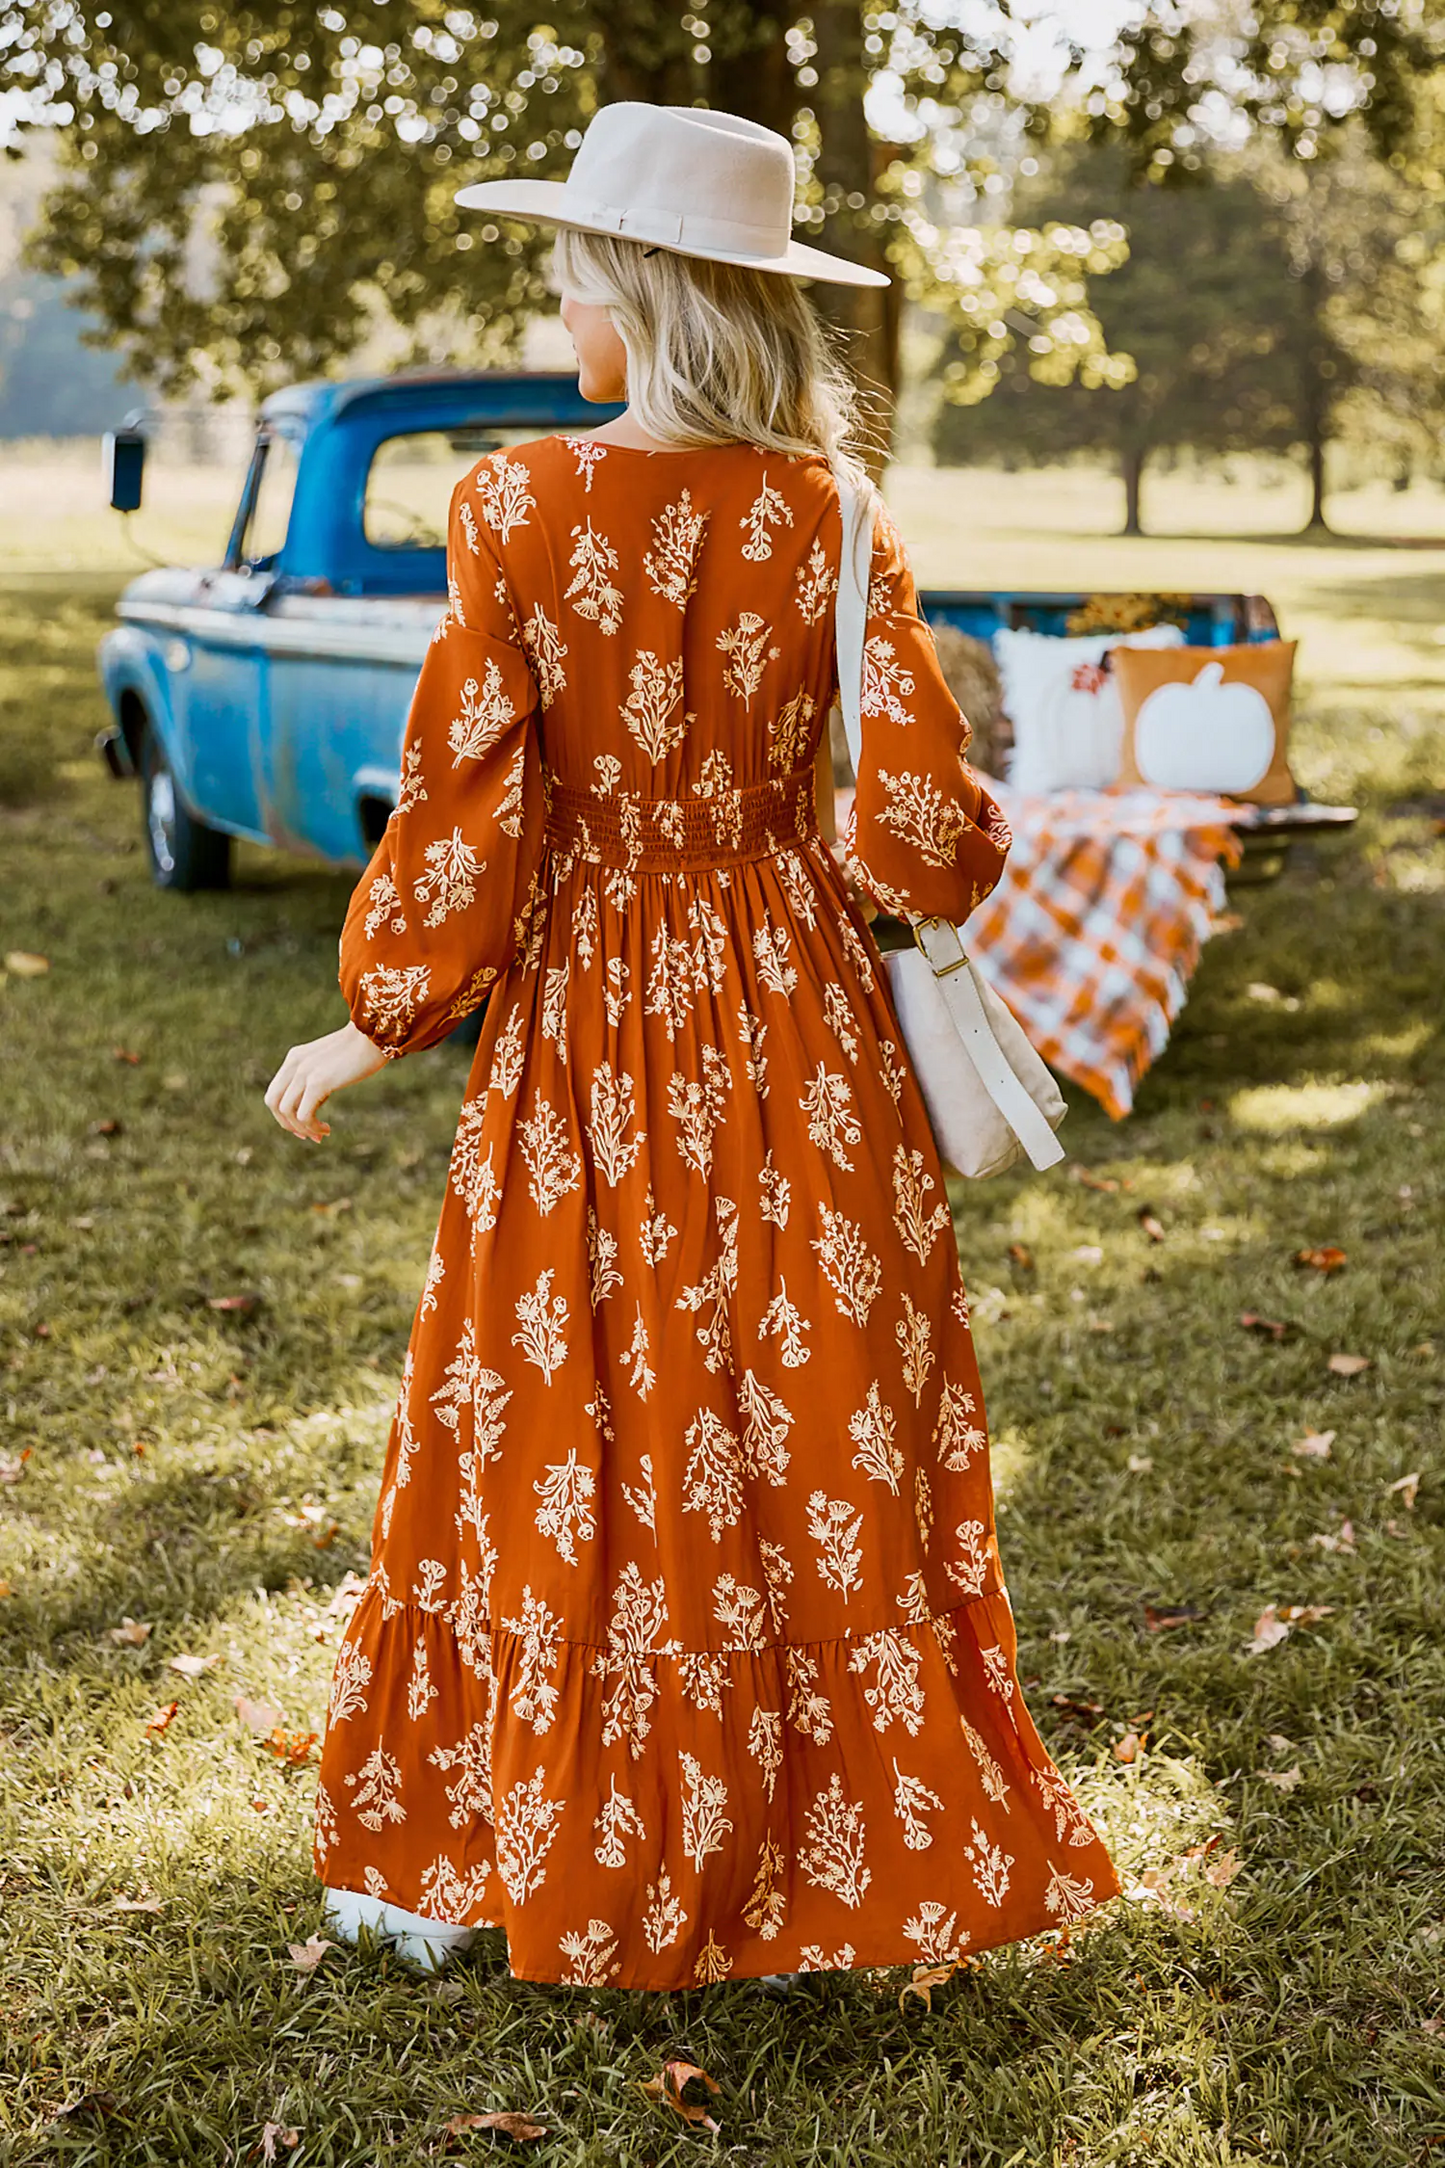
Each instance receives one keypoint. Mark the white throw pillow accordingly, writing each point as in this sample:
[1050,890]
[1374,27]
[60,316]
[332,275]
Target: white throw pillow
[1064,705]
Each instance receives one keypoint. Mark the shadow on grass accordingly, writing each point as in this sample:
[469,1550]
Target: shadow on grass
[187,1546]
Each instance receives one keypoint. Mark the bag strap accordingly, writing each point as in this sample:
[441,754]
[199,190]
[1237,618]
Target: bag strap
[858,505]
[959,985]
[940,941]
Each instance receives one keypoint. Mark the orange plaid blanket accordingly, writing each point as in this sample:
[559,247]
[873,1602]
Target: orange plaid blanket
[1094,931]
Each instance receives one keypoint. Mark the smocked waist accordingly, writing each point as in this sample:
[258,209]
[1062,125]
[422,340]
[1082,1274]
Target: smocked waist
[713,827]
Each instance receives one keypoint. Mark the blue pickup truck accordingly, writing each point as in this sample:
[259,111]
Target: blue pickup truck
[265,697]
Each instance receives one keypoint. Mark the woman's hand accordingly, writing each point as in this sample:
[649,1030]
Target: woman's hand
[311,1073]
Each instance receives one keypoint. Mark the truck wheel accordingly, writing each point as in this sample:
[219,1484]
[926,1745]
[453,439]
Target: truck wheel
[183,852]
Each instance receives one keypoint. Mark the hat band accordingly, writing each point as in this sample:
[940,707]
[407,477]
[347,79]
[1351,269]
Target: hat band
[679,229]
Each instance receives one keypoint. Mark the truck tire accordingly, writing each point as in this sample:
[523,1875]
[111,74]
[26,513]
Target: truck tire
[184,854]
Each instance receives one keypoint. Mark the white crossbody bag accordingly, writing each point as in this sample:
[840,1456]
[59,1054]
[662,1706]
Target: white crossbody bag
[988,1093]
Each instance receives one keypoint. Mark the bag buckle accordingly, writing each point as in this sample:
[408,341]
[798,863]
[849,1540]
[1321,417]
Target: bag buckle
[931,926]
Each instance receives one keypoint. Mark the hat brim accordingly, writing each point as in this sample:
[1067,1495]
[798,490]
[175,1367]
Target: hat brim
[544,202]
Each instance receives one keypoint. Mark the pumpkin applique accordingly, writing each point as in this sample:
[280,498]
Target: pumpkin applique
[1208,719]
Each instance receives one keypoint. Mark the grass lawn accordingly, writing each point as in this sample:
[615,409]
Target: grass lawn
[201,1330]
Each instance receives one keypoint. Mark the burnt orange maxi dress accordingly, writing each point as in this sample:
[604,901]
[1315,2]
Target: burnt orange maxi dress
[685,1653]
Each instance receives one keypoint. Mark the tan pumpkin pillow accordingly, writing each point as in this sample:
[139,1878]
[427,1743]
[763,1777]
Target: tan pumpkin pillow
[1208,719]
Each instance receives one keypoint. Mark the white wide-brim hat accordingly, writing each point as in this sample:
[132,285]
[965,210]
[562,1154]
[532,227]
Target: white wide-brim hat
[679,177]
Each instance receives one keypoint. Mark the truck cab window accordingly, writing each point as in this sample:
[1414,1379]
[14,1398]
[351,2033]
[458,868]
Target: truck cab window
[271,490]
[410,481]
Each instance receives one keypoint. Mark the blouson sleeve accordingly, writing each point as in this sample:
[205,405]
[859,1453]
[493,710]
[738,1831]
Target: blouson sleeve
[924,838]
[443,907]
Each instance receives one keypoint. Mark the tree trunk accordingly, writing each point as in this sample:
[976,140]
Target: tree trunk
[750,73]
[1317,523]
[1314,393]
[866,315]
[646,54]
[1131,469]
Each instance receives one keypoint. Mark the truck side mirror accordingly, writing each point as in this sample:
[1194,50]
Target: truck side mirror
[125,457]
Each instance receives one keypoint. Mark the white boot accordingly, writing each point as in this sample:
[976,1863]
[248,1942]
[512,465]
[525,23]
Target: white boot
[428,1943]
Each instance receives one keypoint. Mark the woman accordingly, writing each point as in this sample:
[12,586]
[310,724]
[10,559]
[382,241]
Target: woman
[685,1653]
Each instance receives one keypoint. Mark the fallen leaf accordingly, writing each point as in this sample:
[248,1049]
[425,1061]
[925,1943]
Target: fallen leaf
[1406,1488]
[1152,1225]
[509,2121]
[1268,1328]
[238,1305]
[1129,1748]
[1326,1260]
[306,1956]
[109,1127]
[337,1204]
[12,1470]
[1087,1253]
[131,1633]
[925,1979]
[1314,1445]
[137,1904]
[1158,1885]
[258,1716]
[1284,1780]
[123,1053]
[90,2105]
[1348,1366]
[1343,1541]
[1269,1630]
[1077,1712]
[293,1748]
[1278,1744]
[1306,1614]
[24,964]
[1432,2024]
[1102,1182]
[1021,1256]
[164,1717]
[325,1537]
[275,2134]
[1139,1463]
[670,2085]
[192,1667]
[5,1590]
[1161,1621]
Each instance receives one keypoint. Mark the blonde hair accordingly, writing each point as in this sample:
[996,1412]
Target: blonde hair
[715,352]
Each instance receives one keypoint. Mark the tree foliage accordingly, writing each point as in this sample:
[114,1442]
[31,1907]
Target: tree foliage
[1196,307]
[1272,305]
[246,191]
[1292,70]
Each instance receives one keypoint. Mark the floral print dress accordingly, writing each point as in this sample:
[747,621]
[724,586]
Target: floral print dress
[685,1653]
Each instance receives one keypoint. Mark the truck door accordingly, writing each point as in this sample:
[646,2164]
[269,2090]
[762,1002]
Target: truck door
[227,690]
